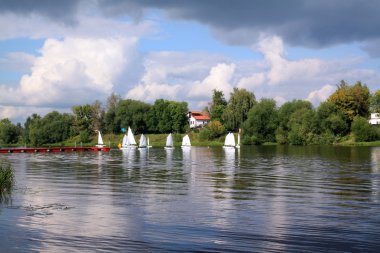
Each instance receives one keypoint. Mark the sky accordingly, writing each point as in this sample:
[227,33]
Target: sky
[57,54]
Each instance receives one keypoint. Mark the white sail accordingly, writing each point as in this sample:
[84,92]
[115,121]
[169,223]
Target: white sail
[131,138]
[149,146]
[142,141]
[186,141]
[124,143]
[169,141]
[100,139]
[230,140]
[238,144]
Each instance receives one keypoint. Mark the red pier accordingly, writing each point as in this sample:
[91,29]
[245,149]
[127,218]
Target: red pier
[54,149]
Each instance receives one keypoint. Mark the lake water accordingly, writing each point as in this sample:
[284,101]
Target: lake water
[257,199]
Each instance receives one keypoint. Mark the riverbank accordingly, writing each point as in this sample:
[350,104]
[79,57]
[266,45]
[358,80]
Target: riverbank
[159,140]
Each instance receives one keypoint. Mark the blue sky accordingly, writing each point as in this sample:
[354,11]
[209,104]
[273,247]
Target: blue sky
[56,55]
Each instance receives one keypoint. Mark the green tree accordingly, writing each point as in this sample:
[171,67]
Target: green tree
[363,131]
[375,102]
[302,126]
[55,127]
[332,119]
[218,105]
[239,104]
[261,123]
[33,127]
[352,100]
[110,123]
[284,113]
[167,116]
[132,113]
[8,132]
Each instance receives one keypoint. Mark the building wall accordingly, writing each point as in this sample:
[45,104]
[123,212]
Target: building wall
[375,119]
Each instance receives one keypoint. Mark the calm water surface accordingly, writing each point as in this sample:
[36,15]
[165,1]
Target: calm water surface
[258,199]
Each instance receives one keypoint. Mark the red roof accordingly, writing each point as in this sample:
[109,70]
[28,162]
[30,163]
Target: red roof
[200,116]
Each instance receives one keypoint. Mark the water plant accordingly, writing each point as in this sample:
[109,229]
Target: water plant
[6,180]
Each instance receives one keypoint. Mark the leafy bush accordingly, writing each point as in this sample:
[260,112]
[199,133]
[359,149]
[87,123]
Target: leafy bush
[216,129]
[204,134]
[362,130]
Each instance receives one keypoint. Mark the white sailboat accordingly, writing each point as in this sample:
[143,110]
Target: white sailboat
[229,142]
[186,142]
[142,142]
[148,146]
[100,141]
[238,144]
[169,142]
[129,141]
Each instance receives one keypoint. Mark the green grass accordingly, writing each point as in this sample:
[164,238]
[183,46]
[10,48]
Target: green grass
[6,180]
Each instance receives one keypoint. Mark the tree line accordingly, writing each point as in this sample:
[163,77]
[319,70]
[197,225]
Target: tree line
[344,114]
[82,123]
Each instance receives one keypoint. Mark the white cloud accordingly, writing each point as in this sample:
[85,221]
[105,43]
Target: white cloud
[72,71]
[18,114]
[317,96]
[219,78]
[153,91]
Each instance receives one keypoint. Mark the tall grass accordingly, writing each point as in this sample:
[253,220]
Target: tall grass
[6,180]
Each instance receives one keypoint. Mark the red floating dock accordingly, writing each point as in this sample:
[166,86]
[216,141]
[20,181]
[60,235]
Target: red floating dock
[54,149]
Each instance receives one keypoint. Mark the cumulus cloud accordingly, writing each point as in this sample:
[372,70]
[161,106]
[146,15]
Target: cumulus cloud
[152,91]
[317,96]
[72,71]
[171,75]
[219,78]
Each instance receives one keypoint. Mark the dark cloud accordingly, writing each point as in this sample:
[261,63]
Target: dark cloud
[309,23]
[299,22]
[60,11]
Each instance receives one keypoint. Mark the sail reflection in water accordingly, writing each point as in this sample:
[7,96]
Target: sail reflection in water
[257,199]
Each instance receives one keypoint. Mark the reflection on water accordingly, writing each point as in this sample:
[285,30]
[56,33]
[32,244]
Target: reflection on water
[256,199]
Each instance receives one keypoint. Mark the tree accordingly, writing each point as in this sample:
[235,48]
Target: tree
[167,116]
[332,120]
[132,113]
[8,132]
[236,112]
[218,105]
[55,127]
[362,130]
[83,122]
[261,123]
[302,126]
[375,102]
[352,100]
[110,124]
[284,113]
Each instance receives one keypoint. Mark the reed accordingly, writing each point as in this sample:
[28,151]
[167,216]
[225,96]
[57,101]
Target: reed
[6,179]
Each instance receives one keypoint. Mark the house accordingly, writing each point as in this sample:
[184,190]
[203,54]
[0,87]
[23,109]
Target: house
[375,119]
[198,119]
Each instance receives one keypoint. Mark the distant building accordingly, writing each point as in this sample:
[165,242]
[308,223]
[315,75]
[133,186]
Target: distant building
[375,119]
[198,119]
